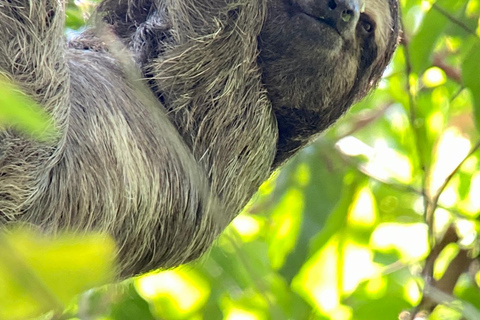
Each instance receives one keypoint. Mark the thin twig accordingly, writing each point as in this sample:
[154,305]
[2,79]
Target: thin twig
[450,71]
[458,265]
[457,94]
[453,19]
[366,120]
[452,174]
[394,185]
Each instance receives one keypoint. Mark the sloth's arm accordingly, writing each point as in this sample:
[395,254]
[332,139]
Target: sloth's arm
[32,43]
[119,165]
[164,187]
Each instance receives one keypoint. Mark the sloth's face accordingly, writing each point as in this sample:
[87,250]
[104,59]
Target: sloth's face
[317,54]
[320,56]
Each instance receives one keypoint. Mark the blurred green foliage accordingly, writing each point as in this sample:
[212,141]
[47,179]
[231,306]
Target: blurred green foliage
[39,274]
[19,111]
[341,232]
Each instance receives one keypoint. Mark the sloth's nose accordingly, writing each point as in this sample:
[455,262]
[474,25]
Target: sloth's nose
[340,14]
[343,11]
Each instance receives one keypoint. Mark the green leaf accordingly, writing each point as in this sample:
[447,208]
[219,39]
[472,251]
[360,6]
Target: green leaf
[39,273]
[337,219]
[433,26]
[131,306]
[74,18]
[471,78]
[322,194]
[21,112]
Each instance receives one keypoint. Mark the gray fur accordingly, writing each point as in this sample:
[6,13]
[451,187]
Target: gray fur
[165,169]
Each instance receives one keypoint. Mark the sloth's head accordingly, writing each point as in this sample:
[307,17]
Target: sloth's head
[317,57]
[320,56]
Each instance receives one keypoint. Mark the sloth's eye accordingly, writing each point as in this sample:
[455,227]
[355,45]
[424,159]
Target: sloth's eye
[367,25]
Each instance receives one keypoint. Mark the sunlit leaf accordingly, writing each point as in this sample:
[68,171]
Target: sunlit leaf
[39,273]
[19,111]
[433,25]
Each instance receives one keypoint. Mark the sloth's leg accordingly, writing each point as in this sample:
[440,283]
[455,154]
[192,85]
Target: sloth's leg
[32,47]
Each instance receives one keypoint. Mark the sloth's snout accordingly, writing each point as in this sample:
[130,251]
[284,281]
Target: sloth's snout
[341,15]
[342,11]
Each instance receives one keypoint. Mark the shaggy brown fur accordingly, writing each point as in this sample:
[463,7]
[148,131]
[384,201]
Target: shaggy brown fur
[234,89]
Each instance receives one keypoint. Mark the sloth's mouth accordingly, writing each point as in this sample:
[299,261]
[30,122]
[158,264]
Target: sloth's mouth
[295,8]
[321,20]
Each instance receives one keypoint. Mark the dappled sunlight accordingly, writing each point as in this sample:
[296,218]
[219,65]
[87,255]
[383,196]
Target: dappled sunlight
[317,280]
[353,147]
[419,206]
[452,148]
[246,226]
[86,6]
[383,161]
[389,162]
[426,5]
[434,77]
[342,312]
[413,18]
[376,286]
[397,119]
[241,314]
[477,279]
[467,230]
[472,204]
[412,291]
[358,266]
[444,259]
[363,211]
[449,196]
[185,290]
[436,122]
[268,186]
[443,219]
[285,225]
[410,241]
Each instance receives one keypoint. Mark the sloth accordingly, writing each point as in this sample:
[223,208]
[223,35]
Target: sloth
[171,113]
